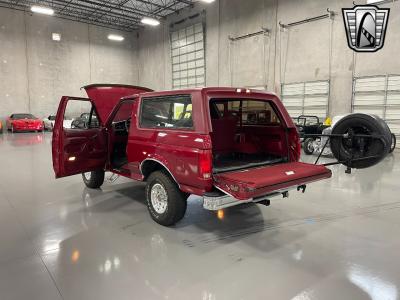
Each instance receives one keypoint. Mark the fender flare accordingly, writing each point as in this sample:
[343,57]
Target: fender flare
[164,164]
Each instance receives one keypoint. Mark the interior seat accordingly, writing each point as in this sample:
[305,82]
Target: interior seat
[223,134]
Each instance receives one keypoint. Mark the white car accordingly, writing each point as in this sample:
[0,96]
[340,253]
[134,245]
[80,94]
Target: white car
[50,120]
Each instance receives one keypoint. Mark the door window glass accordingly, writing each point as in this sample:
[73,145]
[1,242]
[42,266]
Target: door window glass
[82,115]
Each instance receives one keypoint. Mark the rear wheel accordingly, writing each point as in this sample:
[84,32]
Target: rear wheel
[94,179]
[393,145]
[309,146]
[165,202]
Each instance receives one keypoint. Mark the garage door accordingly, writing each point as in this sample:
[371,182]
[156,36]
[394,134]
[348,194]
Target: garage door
[188,62]
[307,98]
[379,95]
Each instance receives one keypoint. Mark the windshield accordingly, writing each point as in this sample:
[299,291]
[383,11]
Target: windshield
[307,120]
[22,116]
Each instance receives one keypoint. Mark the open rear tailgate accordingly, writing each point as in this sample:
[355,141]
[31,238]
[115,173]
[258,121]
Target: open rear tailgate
[255,182]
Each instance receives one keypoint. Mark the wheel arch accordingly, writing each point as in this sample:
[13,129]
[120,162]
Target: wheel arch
[150,165]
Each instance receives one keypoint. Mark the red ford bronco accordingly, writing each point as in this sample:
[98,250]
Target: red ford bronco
[195,141]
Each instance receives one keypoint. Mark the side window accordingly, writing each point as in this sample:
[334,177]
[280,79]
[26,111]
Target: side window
[81,115]
[167,112]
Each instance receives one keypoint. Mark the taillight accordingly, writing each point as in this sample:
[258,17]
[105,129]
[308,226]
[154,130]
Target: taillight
[294,144]
[205,164]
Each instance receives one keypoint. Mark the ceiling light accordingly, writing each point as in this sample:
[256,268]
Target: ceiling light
[150,21]
[42,10]
[114,37]
[56,37]
[207,1]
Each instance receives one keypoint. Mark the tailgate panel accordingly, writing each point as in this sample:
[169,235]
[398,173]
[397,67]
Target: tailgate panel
[250,183]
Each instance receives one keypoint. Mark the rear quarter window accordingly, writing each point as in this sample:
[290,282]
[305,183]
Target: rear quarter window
[173,112]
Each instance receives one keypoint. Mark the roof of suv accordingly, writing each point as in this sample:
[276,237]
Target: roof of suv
[243,91]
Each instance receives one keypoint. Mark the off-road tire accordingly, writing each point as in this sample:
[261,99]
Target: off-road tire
[361,124]
[176,199]
[393,145]
[308,146]
[96,179]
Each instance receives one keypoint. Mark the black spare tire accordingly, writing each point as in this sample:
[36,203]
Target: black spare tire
[356,149]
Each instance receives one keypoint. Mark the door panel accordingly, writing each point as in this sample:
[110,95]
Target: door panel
[84,150]
[81,148]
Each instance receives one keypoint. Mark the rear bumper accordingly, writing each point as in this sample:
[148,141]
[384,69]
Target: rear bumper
[225,201]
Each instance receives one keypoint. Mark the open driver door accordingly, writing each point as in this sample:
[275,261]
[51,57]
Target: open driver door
[81,145]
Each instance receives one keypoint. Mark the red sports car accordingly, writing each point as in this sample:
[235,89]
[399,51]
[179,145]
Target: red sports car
[24,122]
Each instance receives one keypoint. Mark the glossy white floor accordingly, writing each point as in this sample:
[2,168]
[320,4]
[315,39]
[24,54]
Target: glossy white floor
[59,240]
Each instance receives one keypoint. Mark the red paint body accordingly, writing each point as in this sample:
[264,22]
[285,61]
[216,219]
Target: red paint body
[26,124]
[185,154]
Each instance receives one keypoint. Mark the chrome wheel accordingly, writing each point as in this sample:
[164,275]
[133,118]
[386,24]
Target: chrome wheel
[87,175]
[159,198]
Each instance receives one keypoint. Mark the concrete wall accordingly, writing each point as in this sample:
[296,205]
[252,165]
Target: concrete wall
[313,51]
[36,71]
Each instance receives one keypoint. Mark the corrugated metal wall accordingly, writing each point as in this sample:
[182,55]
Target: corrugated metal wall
[306,98]
[379,95]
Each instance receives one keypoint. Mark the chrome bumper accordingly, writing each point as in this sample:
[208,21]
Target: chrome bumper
[224,201]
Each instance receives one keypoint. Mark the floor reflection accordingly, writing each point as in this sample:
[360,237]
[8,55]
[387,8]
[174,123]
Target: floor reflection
[377,288]
[336,241]
[25,139]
